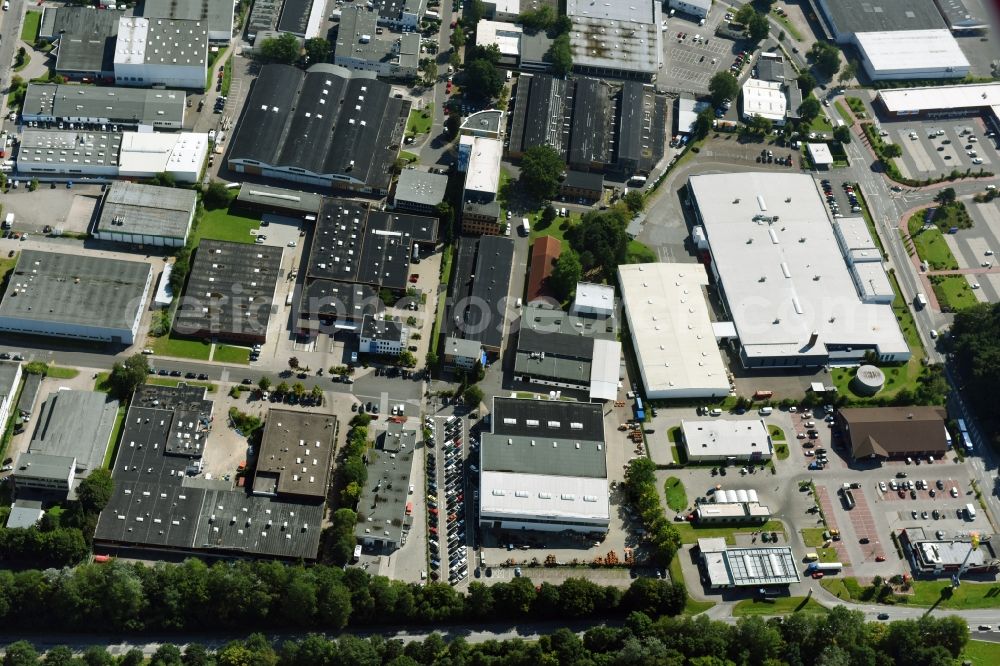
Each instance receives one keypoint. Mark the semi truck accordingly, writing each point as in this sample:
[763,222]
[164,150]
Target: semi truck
[825,567]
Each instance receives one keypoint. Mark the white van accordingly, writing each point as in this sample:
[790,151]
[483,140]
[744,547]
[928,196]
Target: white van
[764,411]
[716,412]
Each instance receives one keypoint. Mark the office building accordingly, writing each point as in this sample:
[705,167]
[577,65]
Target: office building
[76,296]
[932,555]
[420,191]
[296,455]
[129,108]
[163,52]
[383,337]
[361,47]
[765,99]
[400,14]
[911,54]
[726,441]
[728,567]
[893,432]
[146,215]
[10,381]
[385,509]
[462,354]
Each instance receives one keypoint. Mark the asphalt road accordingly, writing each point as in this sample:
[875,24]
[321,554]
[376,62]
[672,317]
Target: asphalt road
[10,32]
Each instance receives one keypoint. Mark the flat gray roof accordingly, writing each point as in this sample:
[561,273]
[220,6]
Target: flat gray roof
[382,506]
[86,37]
[8,371]
[43,466]
[24,513]
[847,17]
[68,147]
[218,14]
[297,448]
[122,105]
[421,187]
[279,197]
[76,424]
[616,37]
[133,208]
[76,289]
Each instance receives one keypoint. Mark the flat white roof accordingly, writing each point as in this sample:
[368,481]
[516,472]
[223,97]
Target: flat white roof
[687,114]
[542,496]
[900,51]
[483,174]
[604,369]
[158,152]
[873,280]
[506,36]
[765,99]
[506,6]
[671,328]
[726,437]
[914,100]
[701,4]
[855,234]
[781,269]
[596,296]
[820,154]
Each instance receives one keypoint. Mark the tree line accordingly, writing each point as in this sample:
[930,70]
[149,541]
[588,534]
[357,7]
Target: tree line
[249,596]
[840,638]
[974,341]
[640,490]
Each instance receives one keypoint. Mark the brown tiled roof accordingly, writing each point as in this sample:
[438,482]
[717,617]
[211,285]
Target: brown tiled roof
[889,431]
[544,252]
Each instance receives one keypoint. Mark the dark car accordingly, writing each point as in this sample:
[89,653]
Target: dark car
[863,540]
[175,373]
[162,372]
[190,375]
[883,616]
[202,376]
[5,356]
[247,381]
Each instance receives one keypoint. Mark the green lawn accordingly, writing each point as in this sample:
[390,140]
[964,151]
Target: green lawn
[557,228]
[787,25]
[676,497]
[781,451]
[420,120]
[844,113]
[638,253]
[981,653]
[7,265]
[101,382]
[812,536]
[820,124]
[227,77]
[29,29]
[232,354]
[408,156]
[168,345]
[109,456]
[173,381]
[691,606]
[22,62]
[219,224]
[691,533]
[776,432]
[61,373]
[674,434]
[857,106]
[927,593]
[779,606]
[930,244]
[953,292]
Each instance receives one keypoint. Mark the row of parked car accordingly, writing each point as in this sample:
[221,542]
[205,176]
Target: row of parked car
[447,516]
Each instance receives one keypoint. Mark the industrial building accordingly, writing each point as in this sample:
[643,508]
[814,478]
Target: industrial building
[766,99]
[84,40]
[400,14]
[487,123]
[360,47]
[734,567]
[24,514]
[381,336]
[522,50]
[327,126]
[931,556]
[959,18]
[544,253]
[462,354]
[328,306]
[893,432]
[76,296]
[782,278]
[688,109]
[217,15]
[10,381]
[259,199]
[588,186]
[162,502]
[602,126]
[111,154]
[420,191]
[385,509]
[480,289]
[732,506]
[726,440]
[977,99]
[296,455]
[569,351]
[74,425]
[163,52]
[146,214]
[696,8]
[230,292]
[673,335]
[911,54]
[616,40]
[479,158]
[544,468]
[841,20]
[129,108]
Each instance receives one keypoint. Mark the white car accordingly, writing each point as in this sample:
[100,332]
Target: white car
[975,285]
[933,334]
[881,486]
[292,243]
[954,491]
[978,160]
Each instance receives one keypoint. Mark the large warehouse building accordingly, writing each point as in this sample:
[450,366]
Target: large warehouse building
[327,126]
[130,108]
[782,276]
[76,296]
[672,332]
[216,14]
[943,102]
[164,52]
[911,54]
[843,19]
[544,468]
[84,39]
[615,39]
[146,214]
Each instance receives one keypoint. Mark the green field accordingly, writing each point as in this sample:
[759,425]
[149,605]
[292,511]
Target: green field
[61,373]
[638,253]
[29,29]
[691,606]
[168,345]
[787,25]
[408,156]
[232,354]
[813,538]
[844,113]
[953,292]
[691,533]
[109,456]
[981,653]
[925,594]
[781,451]
[779,606]
[557,228]
[219,224]
[420,121]
[776,432]
[676,496]
[227,77]
[930,244]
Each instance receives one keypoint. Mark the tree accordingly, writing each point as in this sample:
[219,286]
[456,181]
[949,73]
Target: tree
[167,654]
[430,72]
[561,55]
[600,241]
[723,86]
[541,167]
[634,201]
[849,71]
[293,362]
[95,490]
[473,395]
[407,359]
[826,56]
[534,20]
[264,383]
[549,215]
[946,196]
[284,49]
[482,79]
[759,125]
[298,390]
[455,59]
[458,37]
[745,13]
[806,81]
[318,50]
[703,123]
[316,394]
[282,388]
[128,375]
[216,195]
[842,134]
[565,275]
[808,110]
[892,150]
[758,27]
[21,653]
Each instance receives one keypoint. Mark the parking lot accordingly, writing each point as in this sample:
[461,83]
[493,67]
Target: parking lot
[976,246]
[448,498]
[689,63]
[933,148]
